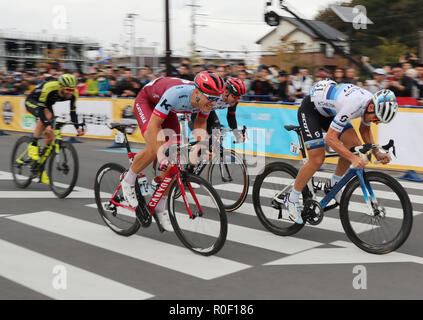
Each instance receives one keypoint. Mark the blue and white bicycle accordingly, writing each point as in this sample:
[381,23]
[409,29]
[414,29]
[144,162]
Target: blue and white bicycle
[375,210]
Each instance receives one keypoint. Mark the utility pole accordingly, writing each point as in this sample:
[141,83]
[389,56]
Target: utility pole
[131,20]
[168,52]
[194,26]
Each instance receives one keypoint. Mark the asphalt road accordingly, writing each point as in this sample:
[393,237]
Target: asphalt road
[60,249]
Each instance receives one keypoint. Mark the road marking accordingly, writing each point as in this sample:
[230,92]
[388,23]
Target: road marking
[243,235]
[348,254]
[142,248]
[35,271]
[5,175]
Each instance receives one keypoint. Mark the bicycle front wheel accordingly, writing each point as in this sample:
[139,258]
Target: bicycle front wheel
[229,177]
[22,166]
[121,220]
[384,227]
[63,170]
[206,232]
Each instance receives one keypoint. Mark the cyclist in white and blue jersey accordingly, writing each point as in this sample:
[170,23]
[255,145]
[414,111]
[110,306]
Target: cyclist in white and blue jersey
[331,107]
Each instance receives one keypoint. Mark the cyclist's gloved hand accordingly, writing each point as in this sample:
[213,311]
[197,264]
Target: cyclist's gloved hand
[80,132]
[384,158]
[359,163]
[239,137]
[163,164]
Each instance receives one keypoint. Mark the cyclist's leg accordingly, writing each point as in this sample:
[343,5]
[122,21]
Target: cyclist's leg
[350,139]
[49,134]
[311,128]
[34,109]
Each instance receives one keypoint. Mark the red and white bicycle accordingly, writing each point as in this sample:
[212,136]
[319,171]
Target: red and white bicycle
[198,217]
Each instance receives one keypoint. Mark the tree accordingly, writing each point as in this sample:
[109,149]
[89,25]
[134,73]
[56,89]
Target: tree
[393,19]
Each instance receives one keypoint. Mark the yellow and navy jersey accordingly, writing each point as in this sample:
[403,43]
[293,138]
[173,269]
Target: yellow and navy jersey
[47,93]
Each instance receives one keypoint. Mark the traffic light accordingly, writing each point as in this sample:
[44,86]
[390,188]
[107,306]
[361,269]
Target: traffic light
[271,18]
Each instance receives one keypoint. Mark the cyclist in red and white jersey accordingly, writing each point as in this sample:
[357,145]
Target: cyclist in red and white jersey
[155,109]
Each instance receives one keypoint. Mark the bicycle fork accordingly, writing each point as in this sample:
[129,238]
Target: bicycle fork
[368,194]
[184,197]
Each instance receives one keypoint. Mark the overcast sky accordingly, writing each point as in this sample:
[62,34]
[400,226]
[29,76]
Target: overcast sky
[231,24]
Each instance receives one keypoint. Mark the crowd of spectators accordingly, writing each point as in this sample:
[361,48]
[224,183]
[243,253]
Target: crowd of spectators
[264,83]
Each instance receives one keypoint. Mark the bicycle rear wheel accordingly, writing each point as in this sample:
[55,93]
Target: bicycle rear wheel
[63,170]
[270,186]
[230,179]
[121,220]
[22,166]
[383,228]
[205,234]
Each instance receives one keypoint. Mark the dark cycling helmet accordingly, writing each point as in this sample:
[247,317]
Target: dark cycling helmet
[67,80]
[235,86]
[209,83]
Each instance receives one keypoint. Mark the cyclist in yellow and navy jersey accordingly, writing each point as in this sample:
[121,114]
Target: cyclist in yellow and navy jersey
[40,104]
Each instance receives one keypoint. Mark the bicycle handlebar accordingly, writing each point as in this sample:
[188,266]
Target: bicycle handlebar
[364,149]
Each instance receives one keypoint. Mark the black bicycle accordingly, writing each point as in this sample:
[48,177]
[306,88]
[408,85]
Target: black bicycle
[226,170]
[59,158]
[375,210]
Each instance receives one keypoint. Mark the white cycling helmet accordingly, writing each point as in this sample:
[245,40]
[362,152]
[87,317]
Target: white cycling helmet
[386,105]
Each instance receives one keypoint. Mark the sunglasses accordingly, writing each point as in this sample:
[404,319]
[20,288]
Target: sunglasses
[375,119]
[211,98]
[69,90]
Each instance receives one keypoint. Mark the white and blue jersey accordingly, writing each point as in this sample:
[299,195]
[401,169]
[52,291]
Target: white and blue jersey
[344,102]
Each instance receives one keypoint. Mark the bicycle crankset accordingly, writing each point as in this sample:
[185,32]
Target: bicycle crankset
[143,215]
[313,212]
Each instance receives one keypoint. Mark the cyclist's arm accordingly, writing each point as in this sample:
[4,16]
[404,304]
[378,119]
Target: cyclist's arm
[333,141]
[73,115]
[200,122]
[231,117]
[367,136]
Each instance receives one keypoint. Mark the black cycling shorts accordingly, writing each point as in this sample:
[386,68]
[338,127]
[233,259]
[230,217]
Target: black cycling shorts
[37,111]
[312,123]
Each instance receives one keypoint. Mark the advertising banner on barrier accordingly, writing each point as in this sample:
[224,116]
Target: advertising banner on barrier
[407,131]
[269,119]
[10,108]
[95,113]
[265,123]
[123,111]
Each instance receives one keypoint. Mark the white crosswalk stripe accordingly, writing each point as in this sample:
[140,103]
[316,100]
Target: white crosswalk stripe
[174,258]
[253,237]
[37,272]
[138,247]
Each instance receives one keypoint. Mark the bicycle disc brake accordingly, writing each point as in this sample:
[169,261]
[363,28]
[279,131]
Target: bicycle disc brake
[313,212]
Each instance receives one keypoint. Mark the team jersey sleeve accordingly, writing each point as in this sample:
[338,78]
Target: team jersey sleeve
[166,103]
[344,116]
[231,117]
[73,115]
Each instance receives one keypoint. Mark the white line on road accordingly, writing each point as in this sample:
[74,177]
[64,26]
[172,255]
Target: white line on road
[142,248]
[244,235]
[348,253]
[35,271]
